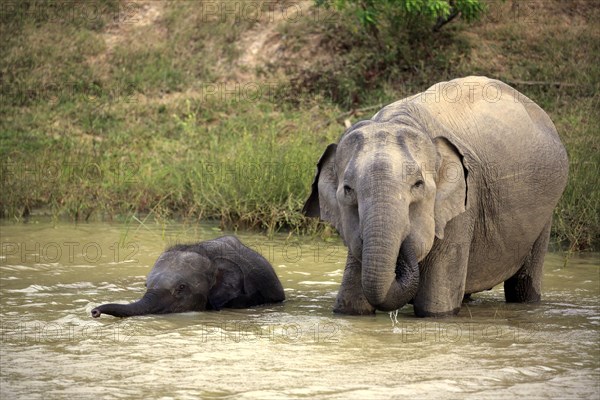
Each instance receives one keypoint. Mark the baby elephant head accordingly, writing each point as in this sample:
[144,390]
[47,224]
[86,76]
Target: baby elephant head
[179,281]
[207,276]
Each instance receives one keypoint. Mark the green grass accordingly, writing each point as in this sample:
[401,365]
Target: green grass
[100,119]
[249,170]
[577,216]
[557,42]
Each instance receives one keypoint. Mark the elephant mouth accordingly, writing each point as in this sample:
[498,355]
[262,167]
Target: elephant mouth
[401,265]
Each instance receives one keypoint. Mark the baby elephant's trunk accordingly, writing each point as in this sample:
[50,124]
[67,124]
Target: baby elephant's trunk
[117,310]
[148,304]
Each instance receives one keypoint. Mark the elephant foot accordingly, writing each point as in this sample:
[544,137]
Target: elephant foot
[353,307]
[521,289]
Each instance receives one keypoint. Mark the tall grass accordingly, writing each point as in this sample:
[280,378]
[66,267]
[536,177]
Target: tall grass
[249,170]
[577,216]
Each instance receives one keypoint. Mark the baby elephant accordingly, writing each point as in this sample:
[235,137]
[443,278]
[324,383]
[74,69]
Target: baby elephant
[219,273]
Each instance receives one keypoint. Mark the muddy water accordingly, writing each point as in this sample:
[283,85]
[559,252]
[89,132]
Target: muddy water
[52,277]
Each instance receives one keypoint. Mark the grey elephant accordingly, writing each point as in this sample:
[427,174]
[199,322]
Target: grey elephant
[443,194]
[215,274]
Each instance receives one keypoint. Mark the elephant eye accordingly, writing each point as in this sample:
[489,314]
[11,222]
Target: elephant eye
[181,287]
[348,196]
[419,183]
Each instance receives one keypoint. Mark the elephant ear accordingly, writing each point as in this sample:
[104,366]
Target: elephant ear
[228,285]
[322,201]
[451,183]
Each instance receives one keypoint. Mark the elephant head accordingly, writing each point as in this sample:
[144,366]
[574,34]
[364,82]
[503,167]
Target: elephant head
[182,281]
[389,188]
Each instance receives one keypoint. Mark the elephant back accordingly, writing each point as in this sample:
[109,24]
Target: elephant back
[501,133]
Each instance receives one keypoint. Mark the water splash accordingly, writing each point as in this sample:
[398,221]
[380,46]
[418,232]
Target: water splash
[394,318]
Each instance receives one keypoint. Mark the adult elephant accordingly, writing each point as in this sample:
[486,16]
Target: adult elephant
[215,274]
[440,195]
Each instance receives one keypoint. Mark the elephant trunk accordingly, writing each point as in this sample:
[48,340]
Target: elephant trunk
[149,304]
[390,269]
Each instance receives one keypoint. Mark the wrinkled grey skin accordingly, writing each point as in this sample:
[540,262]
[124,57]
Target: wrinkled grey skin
[440,195]
[219,273]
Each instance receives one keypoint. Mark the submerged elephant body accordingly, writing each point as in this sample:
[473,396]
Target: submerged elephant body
[445,193]
[215,274]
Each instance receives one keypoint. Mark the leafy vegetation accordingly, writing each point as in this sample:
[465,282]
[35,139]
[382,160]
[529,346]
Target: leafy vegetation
[182,110]
[407,14]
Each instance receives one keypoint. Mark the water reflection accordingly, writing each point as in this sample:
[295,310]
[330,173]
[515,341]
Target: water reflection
[51,277]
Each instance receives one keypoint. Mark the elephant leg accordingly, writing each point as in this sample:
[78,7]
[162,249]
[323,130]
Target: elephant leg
[350,298]
[444,272]
[526,285]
